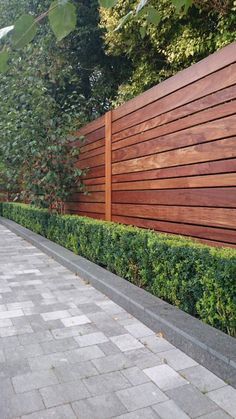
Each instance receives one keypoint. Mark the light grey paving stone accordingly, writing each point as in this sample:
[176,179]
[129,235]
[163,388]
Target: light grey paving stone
[156,344]
[48,361]
[75,321]
[202,378]
[5,323]
[109,348]
[99,407]
[21,404]
[74,372]
[67,332]
[34,380]
[139,330]
[91,339]
[177,359]
[146,413]
[170,410]
[135,376]
[141,396]
[13,368]
[112,363]
[64,393]
[54,315]
[43,336]
[27,351]
[218,414]
[84,354]
[110,307]
[8,342]
[106,383]
[143,358]
[191,401]
[89,308]
[126,342]
[20,304]
[225,397]
[61,412]
[165,377]
[60,345]
[106,324]
[2,357]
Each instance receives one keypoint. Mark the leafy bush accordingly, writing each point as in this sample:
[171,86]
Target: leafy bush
[198,279]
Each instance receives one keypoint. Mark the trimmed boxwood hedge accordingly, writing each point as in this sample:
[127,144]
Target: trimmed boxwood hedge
[198,279]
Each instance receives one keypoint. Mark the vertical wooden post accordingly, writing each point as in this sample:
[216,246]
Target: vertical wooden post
[108,182]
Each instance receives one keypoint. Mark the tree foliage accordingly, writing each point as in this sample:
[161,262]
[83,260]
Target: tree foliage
[160,43]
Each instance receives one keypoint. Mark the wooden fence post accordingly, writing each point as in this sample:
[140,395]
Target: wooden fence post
[108,181]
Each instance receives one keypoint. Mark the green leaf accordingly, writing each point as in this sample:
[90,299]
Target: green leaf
[153,16]
[3,61]
[142,31]
[182,5]
[123,20]
[107,4]
[24,31]
[62,18]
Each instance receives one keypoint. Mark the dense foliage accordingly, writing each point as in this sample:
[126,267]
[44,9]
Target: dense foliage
[49,90]
[196,278]
[158,48]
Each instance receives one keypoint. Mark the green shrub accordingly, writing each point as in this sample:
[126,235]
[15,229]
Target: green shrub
[198,279]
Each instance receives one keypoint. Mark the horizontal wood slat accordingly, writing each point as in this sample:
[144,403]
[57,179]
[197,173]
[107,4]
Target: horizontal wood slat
[166,160]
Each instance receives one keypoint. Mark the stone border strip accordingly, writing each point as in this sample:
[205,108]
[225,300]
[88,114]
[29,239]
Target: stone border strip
[205,344]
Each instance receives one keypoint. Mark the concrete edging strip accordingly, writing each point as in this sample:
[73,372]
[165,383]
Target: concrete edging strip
[205,344]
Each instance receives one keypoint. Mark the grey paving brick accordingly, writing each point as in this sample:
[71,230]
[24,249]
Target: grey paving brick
[177,359]
[76,321]
[42,336]
[106,383]
[225,398]
[202,378]
[48,361]
[218,414]
[91,339]
[64,393]
[5,323]
[85,354]
[61,412]
[126,342]
[21,404]
[139,330]
[156,344]
[99,407]
[109,348]
[34,380]
[60,345]
[67,332]
[191,401]
[13,368]
[135,376]
[143,358]
[106,324]
[141,396]
[165,377]
[54,315]
[170,410]
[68,372]
[112,363]
[27,351]
[146,413]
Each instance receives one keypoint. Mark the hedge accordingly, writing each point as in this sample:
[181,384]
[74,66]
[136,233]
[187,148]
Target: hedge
[198,279]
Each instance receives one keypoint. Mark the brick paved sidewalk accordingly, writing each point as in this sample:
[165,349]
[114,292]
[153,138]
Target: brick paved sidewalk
[67,351]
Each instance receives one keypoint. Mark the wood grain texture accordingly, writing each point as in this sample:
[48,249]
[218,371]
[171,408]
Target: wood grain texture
[166,160]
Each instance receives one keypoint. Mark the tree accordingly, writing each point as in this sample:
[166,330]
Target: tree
[157,50]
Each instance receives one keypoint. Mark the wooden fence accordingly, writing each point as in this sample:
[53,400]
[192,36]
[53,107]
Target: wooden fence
[166,160]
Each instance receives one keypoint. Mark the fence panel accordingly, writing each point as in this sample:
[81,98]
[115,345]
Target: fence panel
[166,160]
